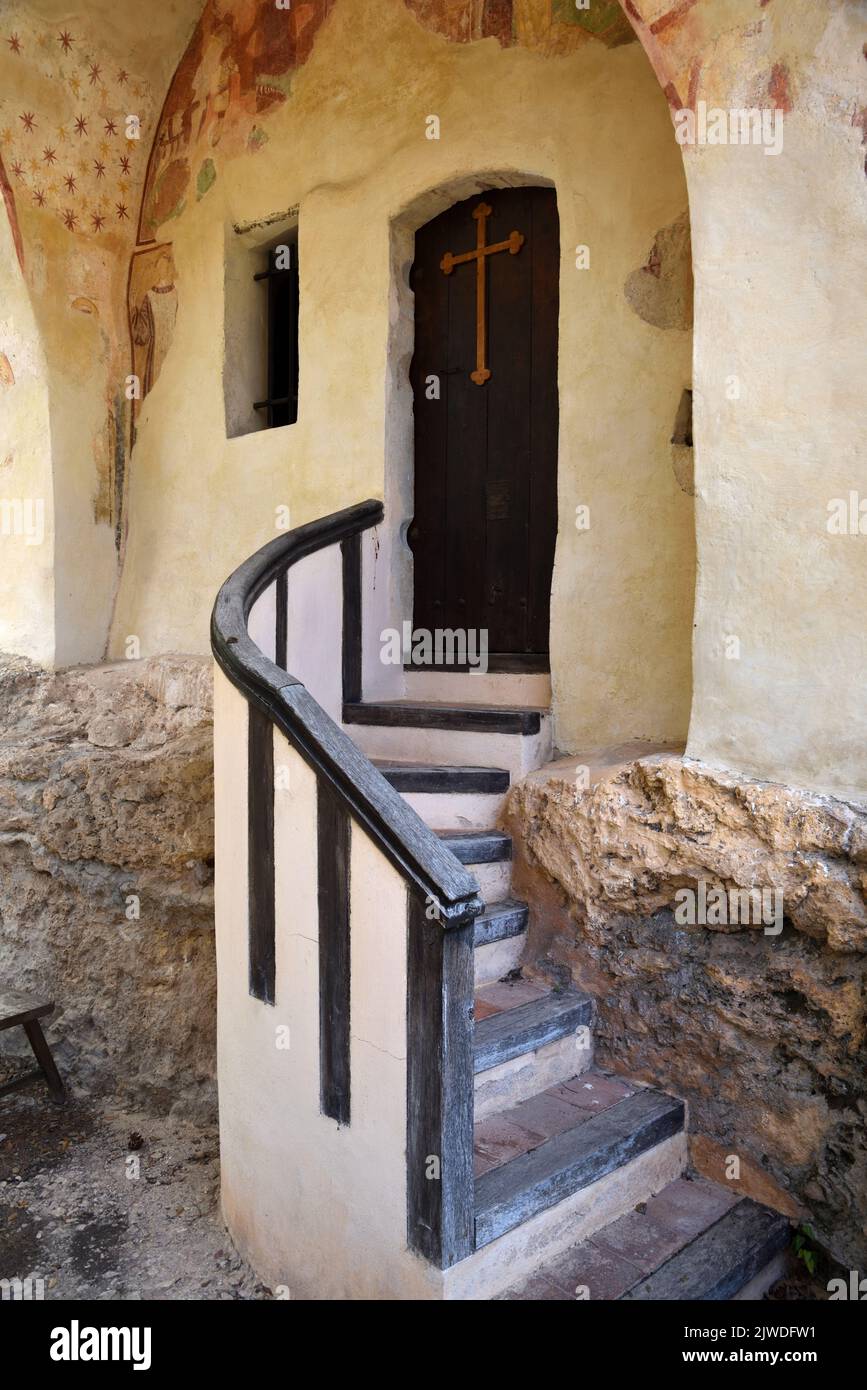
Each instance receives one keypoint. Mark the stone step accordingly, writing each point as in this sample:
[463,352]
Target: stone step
[527,689]
[450,797]
[572,1160]
[694,1240]
[408,714]
[478,846]
[489,854]
[500,921]
[513,738]
[541,1048]
[527,1024]
[500,937]
[722,1261]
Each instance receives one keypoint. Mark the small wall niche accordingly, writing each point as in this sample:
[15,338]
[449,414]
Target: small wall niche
[260,360]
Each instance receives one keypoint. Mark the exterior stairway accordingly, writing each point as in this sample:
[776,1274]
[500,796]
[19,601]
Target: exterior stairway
[431,1124]
[578,1173]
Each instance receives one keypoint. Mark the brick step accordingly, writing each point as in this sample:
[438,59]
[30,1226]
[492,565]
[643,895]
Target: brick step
[693,1240]
[572,1147]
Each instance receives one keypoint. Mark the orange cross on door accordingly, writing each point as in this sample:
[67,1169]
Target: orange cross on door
[447,264]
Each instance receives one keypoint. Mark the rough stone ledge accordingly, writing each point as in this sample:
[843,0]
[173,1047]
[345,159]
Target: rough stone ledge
[763,1035]
[106,811]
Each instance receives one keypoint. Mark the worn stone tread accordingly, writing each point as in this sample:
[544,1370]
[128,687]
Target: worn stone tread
[515,1031]
[720,1261]
[535,1181]
[478,846]
[499,921]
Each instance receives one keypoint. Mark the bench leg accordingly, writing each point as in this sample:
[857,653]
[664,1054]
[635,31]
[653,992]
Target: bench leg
[42,1053]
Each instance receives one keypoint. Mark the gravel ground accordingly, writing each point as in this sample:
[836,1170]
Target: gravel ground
[103,1203]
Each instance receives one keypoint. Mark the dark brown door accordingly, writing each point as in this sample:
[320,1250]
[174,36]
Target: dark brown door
[485,520]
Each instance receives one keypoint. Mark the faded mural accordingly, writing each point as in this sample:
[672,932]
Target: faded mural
[153,307]
[76,186]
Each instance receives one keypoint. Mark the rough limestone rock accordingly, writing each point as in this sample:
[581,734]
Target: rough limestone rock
[106,870]
[764,1035]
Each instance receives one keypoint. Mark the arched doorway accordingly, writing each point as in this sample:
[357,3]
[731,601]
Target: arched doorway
[484,382]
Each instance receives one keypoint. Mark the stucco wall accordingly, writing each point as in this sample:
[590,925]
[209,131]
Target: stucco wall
[781,262]
[27,521]
[71,180]
[348,148]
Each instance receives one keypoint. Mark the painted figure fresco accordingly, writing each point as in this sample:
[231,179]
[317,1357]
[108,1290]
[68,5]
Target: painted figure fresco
[153,307]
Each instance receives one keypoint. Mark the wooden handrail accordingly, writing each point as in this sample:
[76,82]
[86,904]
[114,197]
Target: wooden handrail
[407,842]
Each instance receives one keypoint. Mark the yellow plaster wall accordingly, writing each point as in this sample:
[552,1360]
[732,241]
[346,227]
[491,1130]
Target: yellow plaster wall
[349,148]
[26,569]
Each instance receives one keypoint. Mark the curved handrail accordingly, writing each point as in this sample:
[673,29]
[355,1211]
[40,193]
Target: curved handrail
[410,845]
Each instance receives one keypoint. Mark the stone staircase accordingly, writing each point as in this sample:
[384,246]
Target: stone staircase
[581,1183]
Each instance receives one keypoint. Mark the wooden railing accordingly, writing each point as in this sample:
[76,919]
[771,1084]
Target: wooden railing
[351,797]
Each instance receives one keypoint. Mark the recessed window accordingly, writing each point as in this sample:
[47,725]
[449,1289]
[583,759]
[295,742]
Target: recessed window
[260,364]
[279,281]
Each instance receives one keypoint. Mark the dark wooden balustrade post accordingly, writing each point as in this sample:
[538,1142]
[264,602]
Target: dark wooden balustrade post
[440,1186]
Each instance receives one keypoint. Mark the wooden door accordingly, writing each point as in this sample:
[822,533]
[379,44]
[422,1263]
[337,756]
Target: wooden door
[485,512]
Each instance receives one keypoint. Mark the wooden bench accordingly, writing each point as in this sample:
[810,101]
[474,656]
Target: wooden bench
[17,1008]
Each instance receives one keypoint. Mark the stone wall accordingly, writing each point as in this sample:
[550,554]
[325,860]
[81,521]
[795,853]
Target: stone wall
[763,1034]
[106,810]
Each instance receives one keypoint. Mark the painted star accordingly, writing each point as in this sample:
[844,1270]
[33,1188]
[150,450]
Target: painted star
[122,213]
[70,182]
[65,40]
[110,127]
[95,72]
[5,135]
[18,169]
[104,147]
[29,121]
[75,84]
[39,198]
[34,166]
[99,167]
[124,163]
[69,220]
[62,132]
[98,221]
[49,156]
[122,76]
[15,44]
[123,186]
[81,125]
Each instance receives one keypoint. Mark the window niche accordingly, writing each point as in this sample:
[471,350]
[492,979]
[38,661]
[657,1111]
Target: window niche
[260,364]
